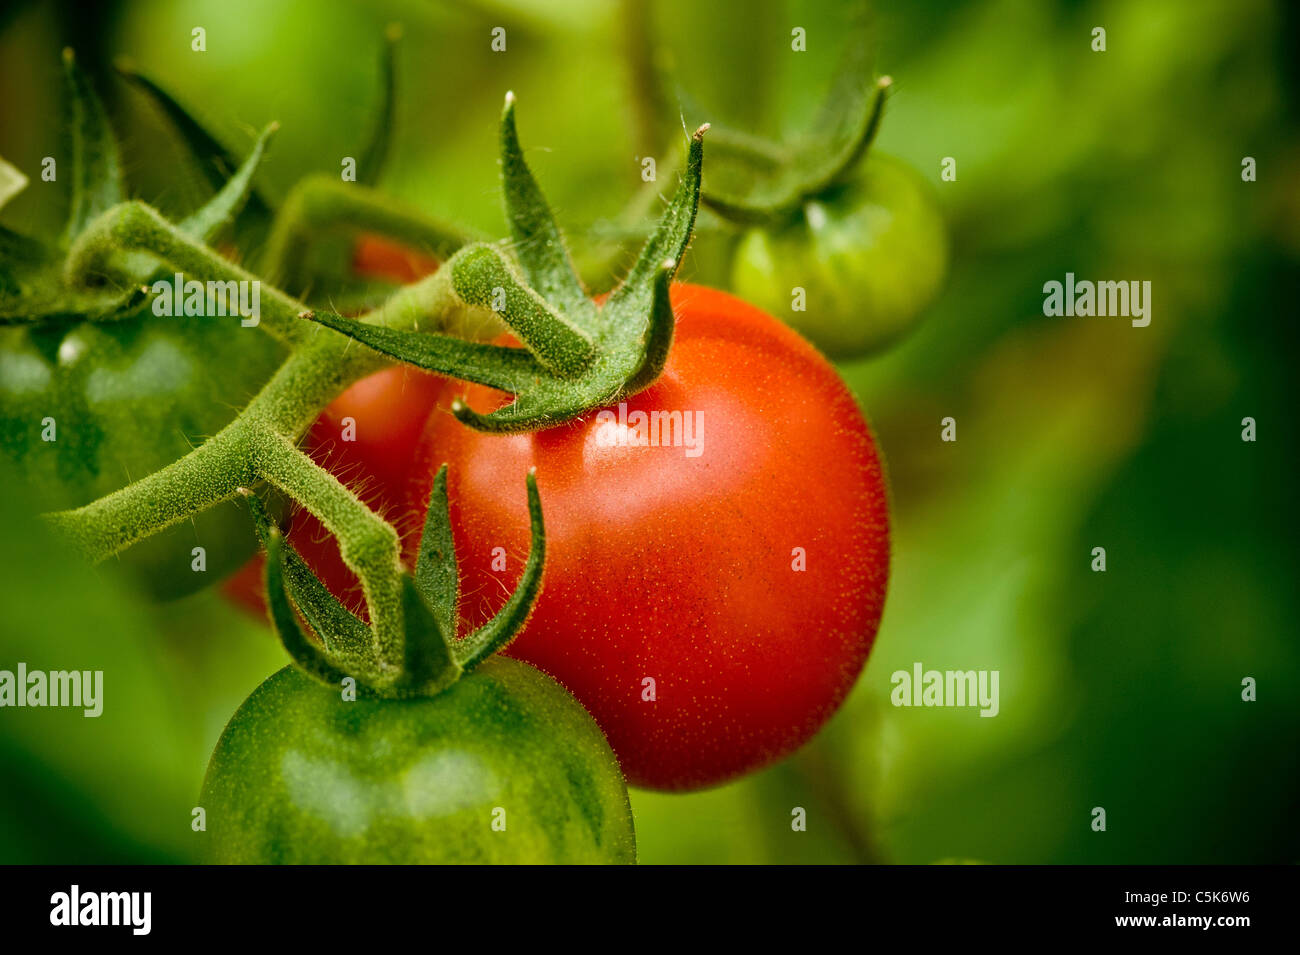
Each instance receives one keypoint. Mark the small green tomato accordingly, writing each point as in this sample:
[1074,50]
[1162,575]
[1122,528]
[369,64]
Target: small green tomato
[869,255]
[502,767]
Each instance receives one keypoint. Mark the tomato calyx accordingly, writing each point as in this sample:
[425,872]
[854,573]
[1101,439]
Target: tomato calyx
[576,355]
[430,658]
[753,181]
[41,281]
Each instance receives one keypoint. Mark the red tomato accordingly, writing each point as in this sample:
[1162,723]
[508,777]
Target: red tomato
[711,607]
[375,257]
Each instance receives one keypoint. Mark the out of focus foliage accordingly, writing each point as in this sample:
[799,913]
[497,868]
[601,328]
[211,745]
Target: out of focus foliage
[1120,690]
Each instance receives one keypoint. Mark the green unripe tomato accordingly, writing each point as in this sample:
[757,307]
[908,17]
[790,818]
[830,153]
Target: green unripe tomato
[870,255]
[301,775]
[88,408]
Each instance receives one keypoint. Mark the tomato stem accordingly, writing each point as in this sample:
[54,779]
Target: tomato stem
[260,444]
[135,226]
[577,356]
[321,205]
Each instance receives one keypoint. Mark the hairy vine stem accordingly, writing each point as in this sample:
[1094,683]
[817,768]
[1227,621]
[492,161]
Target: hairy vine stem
[260,443]
[321,203]
[576,355]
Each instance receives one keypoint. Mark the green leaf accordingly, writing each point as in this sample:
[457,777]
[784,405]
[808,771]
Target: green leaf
[96,161]
[436,576]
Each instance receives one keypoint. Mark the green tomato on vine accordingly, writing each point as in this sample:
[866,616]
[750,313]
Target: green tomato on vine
[502,767]
[849,248]
[857,267]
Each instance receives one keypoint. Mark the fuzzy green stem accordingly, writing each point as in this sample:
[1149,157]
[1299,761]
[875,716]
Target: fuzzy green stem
[134,226]
[321,204]
[261,444]
[369,544]
[484,278]
[192,484]
[286,406]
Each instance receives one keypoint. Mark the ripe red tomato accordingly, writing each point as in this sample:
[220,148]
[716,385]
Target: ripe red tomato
[711,607]
[375,257]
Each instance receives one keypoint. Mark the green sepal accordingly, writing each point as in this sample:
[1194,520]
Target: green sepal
[576,355]
[96,159]
[428,662]
[431,658]
[346,640]
[213,160]
[312,659]
[507,369]
[436,576]
[339,629]
[23,261]
[207,221]
[32,285]
[374,157]
[765,188]
[539,244]
[510,619]
[756,181]
[33,291]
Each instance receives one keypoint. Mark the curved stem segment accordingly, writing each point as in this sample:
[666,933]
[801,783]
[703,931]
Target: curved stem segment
[322,204]
[134,226]
[369,544]
[260,444]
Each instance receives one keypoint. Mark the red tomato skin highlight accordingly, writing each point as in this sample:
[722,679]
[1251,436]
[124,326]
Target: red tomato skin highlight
[680,569]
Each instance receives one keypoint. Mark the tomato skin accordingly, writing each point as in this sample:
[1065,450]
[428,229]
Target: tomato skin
[127,399]
[870,256]
[677,568]
[301,776]
[376,257]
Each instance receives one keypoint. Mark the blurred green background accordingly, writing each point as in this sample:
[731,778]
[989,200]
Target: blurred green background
[1120,690]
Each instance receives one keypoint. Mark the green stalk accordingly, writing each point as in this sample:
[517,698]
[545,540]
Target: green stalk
[134,226]
[323,204]
[261,443]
